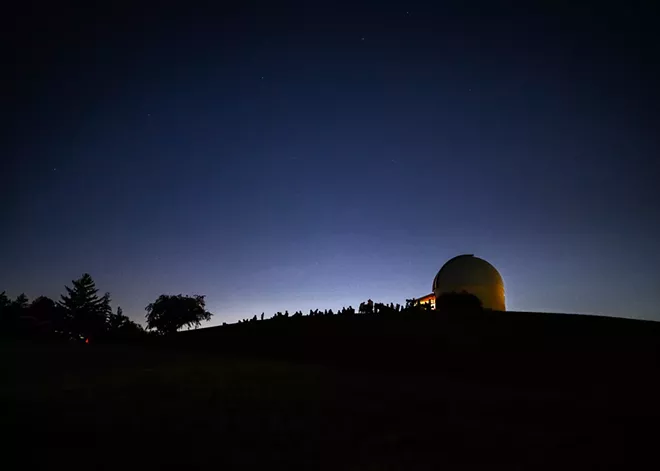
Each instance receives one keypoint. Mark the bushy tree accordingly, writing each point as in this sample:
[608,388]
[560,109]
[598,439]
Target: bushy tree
[5,304]
[85,311]
[4,300]
[11,311]
[121,327]
[169,313]
[44,309]
[46,316]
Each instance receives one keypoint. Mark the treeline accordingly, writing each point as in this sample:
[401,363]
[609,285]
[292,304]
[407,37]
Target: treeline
[82,315]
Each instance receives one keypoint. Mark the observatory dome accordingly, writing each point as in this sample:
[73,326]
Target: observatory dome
[473,275]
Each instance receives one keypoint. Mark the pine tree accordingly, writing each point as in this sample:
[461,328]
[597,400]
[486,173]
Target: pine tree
[86,311]
[5,309]
[116,321]
[21,301]
[11,311]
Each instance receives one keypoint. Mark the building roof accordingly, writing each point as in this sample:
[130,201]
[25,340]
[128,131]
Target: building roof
[467,270]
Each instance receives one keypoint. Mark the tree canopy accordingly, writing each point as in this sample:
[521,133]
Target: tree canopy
[121,326]
[11,311]
[169,313]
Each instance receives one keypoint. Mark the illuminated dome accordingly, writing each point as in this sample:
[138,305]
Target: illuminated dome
[473,275]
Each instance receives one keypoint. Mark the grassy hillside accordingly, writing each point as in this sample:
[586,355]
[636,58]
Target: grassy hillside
[501,345]
[502,391]
[121,408]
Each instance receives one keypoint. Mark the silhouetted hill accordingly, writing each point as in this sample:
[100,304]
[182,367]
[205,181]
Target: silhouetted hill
[424,391]
[508,346]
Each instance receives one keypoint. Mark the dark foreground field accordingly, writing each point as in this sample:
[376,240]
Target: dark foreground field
[100,407]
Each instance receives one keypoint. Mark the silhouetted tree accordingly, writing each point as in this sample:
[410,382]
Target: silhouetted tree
[21,301]
[86,312]
[116,320]
[120,327]
[169,313]
[262,316]
[4,300]
[12,311]
[5,312]
[43,316]
[44,309]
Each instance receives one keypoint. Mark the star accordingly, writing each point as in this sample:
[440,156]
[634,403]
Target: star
[362,39]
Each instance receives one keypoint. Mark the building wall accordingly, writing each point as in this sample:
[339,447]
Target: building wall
[492,297]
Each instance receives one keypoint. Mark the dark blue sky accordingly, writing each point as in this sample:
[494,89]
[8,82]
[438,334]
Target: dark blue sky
[313,156]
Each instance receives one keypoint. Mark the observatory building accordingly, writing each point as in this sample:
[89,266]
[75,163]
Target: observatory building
[467,273]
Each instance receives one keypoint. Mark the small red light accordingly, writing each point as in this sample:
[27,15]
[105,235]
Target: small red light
[86,340]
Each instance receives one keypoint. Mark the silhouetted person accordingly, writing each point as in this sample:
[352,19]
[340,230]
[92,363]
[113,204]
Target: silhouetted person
[369,307]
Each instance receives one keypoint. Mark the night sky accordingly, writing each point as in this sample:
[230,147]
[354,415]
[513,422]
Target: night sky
[314,155]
